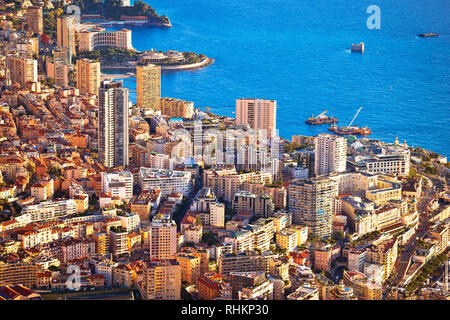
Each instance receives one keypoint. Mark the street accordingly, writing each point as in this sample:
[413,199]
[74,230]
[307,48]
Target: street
[410,247]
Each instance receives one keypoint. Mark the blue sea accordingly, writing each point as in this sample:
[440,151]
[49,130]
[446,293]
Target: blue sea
[297,52]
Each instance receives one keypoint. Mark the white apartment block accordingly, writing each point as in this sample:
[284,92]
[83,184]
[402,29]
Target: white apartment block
[206,202]
[130,221]
[217,215]
[262,233]
[394,162]
[330,154]
[167,181]
[118,184]
[241,241]
[105,267]
[160,161]
[48,210]
[118,242]
[300,172]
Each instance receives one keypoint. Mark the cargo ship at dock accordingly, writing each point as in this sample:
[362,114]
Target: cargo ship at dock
[321,119]
[351,130]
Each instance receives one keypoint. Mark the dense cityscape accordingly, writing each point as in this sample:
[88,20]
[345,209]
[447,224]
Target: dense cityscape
[160,200]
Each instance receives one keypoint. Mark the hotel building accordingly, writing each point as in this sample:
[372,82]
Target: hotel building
[100,38]
[393,160]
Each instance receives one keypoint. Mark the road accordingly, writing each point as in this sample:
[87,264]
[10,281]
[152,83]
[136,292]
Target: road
[197,185]
[401,265]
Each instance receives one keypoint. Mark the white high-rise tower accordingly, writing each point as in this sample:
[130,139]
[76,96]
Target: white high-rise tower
[113,124]
[330,154]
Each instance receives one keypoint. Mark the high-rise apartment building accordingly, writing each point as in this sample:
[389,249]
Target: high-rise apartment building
[58,71]
[260,205]
[161,280]
[62,54]
[65,32]
[148,87]
[330,154]
[34,19]
[162,237]
[21,70]
[88,76]
[312,204]
[113,124]
[258,114]
[190,267]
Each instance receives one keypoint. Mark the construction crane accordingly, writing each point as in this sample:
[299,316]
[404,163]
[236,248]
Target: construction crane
[351,122]
[317,117]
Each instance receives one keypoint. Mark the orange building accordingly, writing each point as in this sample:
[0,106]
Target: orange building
[208,285]
[78,139]
[322,258]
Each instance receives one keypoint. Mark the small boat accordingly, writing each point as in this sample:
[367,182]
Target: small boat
[357,47]
[428,35]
